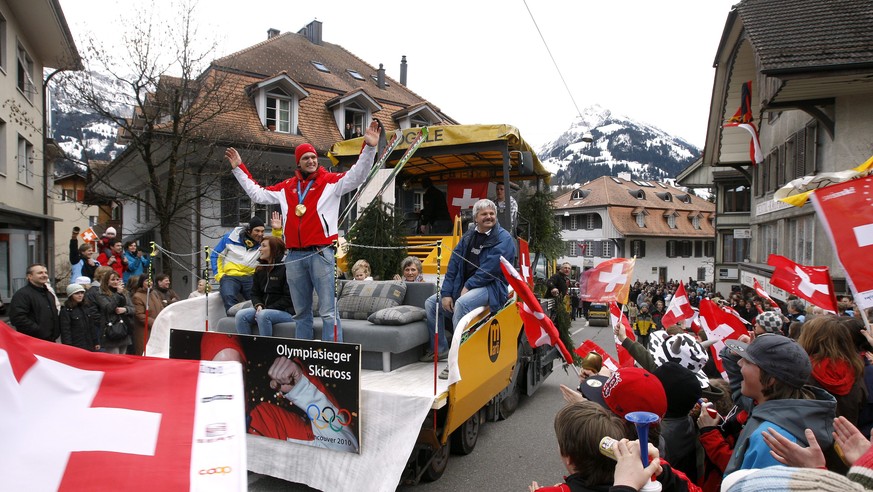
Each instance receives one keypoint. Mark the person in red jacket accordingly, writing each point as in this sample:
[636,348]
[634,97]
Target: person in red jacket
[114,257]
[310,203]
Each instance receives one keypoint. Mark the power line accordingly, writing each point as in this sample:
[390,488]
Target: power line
[554,62]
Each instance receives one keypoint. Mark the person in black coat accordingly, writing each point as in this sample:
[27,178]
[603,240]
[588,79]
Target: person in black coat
[113,311]
[76,326]
[271,297]
[33,309]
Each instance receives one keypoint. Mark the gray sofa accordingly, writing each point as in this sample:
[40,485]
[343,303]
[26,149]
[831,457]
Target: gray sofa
[385,347]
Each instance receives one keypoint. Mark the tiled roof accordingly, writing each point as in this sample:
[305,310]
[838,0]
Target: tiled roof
[613,194]
[797,35]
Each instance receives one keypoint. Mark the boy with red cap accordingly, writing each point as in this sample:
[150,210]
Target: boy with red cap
[310,203]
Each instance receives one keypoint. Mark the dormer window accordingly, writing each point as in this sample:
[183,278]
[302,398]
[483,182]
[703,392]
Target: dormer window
[417,116]
[277,100]
[670,215]
[638,194]
[640,214]
[579,194]
[695,222]
[352,112]
[666,196]
[684,198]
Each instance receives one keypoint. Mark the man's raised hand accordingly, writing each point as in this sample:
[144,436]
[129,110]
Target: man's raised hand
[233,157]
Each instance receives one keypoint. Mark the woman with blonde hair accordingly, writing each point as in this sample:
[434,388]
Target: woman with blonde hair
[836,364]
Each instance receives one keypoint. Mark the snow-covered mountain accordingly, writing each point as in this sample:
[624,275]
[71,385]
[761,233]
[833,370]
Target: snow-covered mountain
[620,145]
[83,134]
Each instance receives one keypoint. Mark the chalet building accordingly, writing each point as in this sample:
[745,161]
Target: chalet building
[669,230]
[68,197]
[33,36]
[266,99]
[811,69]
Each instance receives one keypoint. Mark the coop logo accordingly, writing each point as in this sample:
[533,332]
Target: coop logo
[209,399]
[217,429]
[218,470]
[494,340]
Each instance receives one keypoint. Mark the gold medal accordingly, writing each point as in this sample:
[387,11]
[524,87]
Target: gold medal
[300,209]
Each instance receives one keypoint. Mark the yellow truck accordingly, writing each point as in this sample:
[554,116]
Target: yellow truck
[411,420]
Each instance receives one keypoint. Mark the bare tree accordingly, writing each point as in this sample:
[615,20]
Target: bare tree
[173,97]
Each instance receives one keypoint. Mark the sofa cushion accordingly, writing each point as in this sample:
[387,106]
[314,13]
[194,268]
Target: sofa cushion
[398,315]
[361,299]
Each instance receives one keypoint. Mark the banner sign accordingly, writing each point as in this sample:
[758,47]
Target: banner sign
[301,391]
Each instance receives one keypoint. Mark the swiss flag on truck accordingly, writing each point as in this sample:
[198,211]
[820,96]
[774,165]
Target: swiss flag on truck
[463,193]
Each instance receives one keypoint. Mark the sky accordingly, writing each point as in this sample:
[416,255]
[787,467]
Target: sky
[482,61]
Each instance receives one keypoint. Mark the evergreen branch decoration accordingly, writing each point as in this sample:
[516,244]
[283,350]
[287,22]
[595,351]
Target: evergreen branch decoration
[378,226]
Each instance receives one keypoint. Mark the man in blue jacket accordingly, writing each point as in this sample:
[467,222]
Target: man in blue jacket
[474,277]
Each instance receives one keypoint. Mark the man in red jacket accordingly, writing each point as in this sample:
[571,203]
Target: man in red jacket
[310,203]
[114,257]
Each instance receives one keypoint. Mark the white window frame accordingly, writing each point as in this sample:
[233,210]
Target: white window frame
[607,249]
[671,221]
[574,222]
[68,194]
[589,249]
[801,236]
[25,162]
[25,64]
[641,220]
[283,119]
[695,222]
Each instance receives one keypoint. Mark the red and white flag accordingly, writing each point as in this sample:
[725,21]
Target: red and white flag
[537,326]
[846,212]
[812,283]
[78,420]
[88,235]
[589,346]
[719,326]
[463,193]
[608,281]
[743,119]
[764,295]
[524,262]
[625,359]
[679,309]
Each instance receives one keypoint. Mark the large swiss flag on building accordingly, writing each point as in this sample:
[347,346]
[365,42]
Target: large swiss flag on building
[77,420]
[463,193]
[846,211]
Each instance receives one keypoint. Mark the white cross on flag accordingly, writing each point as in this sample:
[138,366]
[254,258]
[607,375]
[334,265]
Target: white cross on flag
[812,283]
[608,281]
[524,262]
[679,309]
[88,235]
[463,193]
[846,212]
[719,326]
[78,420]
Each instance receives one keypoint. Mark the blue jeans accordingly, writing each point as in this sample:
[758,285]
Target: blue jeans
[230,289]
[265,319]
[463,305]
[307,271]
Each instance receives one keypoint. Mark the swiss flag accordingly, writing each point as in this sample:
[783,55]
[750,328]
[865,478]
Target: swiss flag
[846,211]
[764,295]
[812,283]
[719,326]
[679,309]
[625,359]
[78,420]
[539,328]
[608,281]
[524,262]
[88,235]
[463,193]
[589,346]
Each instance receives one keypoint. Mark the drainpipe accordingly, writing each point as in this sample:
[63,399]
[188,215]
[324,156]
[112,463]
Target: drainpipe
[48,246]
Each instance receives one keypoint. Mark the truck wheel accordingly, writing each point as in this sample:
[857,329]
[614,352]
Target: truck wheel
[510,402]
[464,438]
[438,464]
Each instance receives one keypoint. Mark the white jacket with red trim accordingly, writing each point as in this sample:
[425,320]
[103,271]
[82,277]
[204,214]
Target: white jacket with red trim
[318,226]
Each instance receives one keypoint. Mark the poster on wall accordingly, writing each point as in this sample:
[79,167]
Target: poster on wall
[300,391]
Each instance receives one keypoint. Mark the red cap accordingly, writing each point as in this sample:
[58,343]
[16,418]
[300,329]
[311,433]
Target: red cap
[302,149]
[629,389]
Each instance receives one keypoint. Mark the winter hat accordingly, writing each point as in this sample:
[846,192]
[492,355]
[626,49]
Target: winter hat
[110,232]
[73,288]
[213,342]
[788,478]
[302,149]
[681,387]
[629,389]
[83,280]
[770,321]
[682,349]
[778,356]
[255,222]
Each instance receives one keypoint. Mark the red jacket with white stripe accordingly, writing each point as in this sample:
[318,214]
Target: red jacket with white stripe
[318,226]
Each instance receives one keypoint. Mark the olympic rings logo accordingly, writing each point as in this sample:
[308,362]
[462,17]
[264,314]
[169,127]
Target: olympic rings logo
[327,417]
[220,470]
